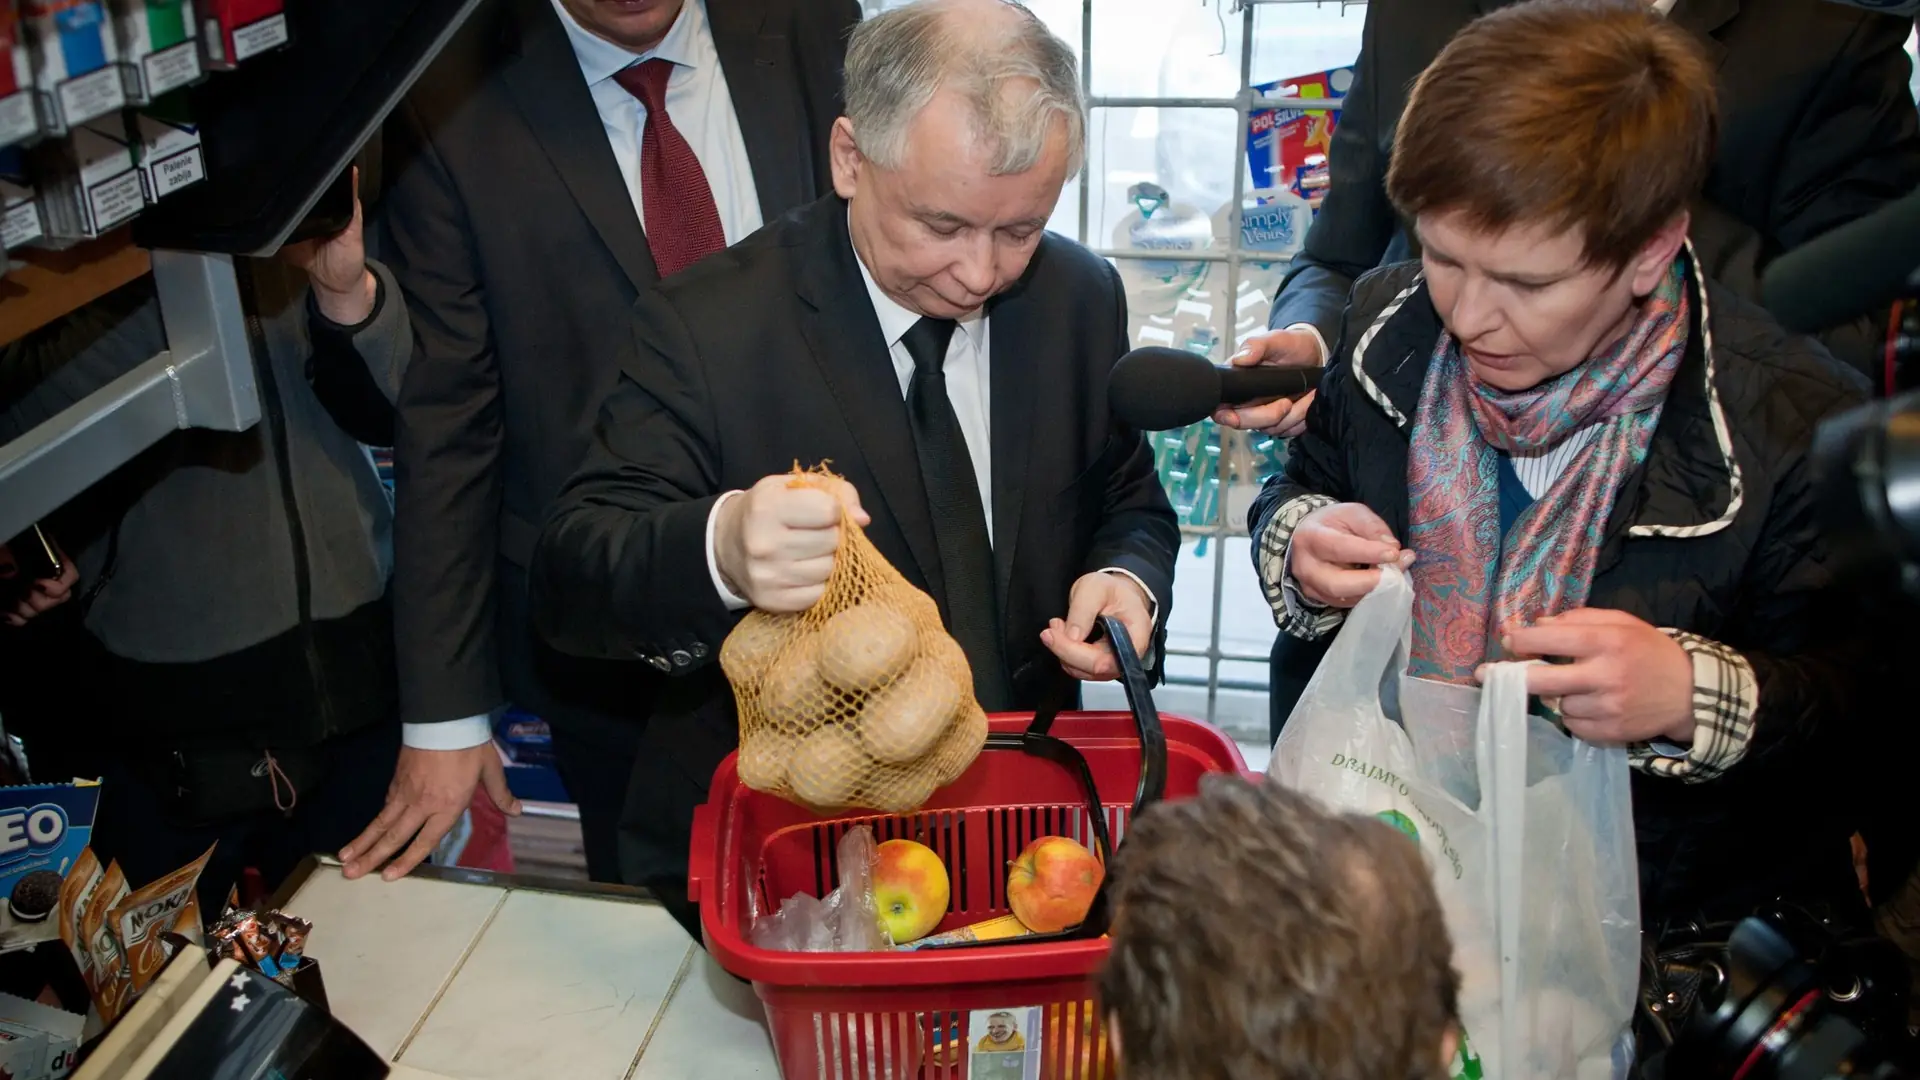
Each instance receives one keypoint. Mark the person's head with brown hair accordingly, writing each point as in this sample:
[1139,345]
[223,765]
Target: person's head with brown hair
[1259,937]
[1547,159]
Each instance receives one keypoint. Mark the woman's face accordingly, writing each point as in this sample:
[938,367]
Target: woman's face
[1524,304]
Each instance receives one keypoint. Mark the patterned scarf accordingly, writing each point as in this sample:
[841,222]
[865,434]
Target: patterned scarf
[1469,586]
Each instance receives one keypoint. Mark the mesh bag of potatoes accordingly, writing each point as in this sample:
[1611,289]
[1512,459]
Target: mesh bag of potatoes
[862,700]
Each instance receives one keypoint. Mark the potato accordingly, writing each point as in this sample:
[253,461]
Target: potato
[901,789]
[793,695]
[863,647]
[762,763]
[960,745]
[902,722]
[945,652]
[828,768]
[752,646]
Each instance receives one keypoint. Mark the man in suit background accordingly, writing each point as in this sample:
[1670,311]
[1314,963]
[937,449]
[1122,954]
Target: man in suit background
[1818,127]
[558,159]
[922,332]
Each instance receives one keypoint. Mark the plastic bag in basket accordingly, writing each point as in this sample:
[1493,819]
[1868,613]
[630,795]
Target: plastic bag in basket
[862,700]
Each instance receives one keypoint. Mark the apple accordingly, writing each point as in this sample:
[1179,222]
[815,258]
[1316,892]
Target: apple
[910,886]
[1051,885]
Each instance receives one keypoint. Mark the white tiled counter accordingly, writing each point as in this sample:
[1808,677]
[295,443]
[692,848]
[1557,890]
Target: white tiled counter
[477,976]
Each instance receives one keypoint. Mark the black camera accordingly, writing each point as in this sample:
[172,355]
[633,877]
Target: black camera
[1794,1002]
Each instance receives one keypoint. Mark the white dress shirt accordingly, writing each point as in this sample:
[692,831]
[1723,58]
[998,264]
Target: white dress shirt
[697,102]
[968,369]
[702,110]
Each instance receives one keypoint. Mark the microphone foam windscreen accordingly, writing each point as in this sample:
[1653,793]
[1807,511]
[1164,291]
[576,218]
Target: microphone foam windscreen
[1160,389]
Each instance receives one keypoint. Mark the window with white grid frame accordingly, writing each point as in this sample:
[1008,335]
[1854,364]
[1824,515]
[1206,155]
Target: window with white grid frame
[1167,84]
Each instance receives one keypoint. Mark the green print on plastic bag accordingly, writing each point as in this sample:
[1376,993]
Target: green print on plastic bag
[1398,786]
[1466,1063]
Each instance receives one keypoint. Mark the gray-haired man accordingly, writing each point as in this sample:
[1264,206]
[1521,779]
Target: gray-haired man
[922,332]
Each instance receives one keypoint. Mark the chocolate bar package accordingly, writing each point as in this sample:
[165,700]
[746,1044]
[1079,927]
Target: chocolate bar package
[76,70]
[19,119]
[43,830]
[159,46]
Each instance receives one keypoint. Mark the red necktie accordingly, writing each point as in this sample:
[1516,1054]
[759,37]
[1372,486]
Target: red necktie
[683,225]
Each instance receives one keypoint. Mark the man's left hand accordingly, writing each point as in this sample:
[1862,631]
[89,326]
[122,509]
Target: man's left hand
[1096,594]
[1627,681]
[343,288]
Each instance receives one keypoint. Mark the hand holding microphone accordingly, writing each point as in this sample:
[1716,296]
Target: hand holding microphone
[1282,417]
[1161,389]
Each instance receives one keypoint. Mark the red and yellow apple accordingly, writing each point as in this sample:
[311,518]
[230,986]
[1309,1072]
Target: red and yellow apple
[910,886]
[1051,885]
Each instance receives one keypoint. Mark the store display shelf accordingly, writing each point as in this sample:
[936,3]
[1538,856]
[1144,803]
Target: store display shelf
[45,285]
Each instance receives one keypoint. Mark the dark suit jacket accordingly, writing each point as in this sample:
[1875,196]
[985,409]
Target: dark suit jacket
[511,231]
[770,353]
[1817,128]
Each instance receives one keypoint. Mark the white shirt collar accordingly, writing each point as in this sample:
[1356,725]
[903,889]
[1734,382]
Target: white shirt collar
[601,59]
[896,320]
[1664,7]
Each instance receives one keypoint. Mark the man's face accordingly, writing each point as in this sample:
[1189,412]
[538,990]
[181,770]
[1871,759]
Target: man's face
[939,234]
[999,1029]
[635,25]
[1523,303]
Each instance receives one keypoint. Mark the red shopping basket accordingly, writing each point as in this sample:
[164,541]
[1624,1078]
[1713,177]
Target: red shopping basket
[922,1015]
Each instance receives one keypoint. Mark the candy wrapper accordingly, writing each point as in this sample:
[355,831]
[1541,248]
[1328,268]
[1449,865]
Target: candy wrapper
[272,943]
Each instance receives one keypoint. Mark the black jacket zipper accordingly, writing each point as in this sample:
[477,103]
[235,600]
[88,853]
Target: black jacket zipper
[275,416]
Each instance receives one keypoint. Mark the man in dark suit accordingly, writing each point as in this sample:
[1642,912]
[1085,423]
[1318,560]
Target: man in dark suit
[922,332]
[560,157]
[1818,127]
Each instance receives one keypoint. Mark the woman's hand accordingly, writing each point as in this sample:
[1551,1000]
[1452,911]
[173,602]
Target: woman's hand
[1337,551]
[1628,681]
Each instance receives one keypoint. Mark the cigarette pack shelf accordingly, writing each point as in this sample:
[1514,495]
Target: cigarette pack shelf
[904,1015]
[278,134]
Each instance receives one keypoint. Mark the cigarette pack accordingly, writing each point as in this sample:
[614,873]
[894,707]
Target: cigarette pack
[76,69]
[168,153]
[88,181]
[236,31]
[43,829]
[20,223]
[159,49]
[19,121]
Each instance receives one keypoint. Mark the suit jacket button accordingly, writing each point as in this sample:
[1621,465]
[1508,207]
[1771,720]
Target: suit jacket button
[660,663]
[681,658]
[699,650]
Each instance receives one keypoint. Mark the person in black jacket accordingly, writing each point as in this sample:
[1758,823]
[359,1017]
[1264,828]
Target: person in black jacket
[1588,451]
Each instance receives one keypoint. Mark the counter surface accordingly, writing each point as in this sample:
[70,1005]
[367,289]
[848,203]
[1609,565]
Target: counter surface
[482,977]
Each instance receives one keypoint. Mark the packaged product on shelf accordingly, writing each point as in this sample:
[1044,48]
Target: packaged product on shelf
[88,181]
[167,148]
[239,30]
[43,830]
[159,50]
[75,62]
[1158,222]
[1287,148]
[149,911]
[19,121]
[20,222]
[59,1029]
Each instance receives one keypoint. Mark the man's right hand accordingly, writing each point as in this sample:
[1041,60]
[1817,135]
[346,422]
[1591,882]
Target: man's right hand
[1281,417]
[774,544]
[430,790]
[1337,551]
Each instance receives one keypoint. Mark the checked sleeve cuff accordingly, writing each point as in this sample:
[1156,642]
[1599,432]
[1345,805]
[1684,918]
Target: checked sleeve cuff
[1293,613]
[1725,698]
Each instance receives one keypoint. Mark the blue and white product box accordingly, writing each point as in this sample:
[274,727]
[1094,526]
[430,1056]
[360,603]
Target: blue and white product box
[168,154]
[76,62]
[43,829]
[19,203]
[89,184]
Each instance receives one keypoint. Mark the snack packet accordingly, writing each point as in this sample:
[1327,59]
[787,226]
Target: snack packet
[75,892]
[108,981]
[139,919]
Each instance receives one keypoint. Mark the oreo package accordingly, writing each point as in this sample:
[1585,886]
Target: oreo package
[43,830]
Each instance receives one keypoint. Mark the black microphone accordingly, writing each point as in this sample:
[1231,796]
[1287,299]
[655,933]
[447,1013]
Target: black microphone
[1159,389]
[1848,272]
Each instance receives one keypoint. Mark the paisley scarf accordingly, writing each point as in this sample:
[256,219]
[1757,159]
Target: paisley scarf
[1470,583]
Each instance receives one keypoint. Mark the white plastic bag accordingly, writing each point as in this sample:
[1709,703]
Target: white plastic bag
[1529,833]
[845,920]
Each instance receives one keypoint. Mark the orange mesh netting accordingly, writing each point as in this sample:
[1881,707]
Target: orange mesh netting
[862,700]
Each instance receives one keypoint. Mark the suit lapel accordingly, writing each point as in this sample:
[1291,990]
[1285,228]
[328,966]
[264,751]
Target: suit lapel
[1014,383]
[844,336]
[1705,18]
[758,62]
[546,84]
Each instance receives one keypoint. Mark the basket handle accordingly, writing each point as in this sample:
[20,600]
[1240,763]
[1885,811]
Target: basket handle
[1146,718]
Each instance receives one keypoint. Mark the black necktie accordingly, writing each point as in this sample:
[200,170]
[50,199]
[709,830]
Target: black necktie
[959,523]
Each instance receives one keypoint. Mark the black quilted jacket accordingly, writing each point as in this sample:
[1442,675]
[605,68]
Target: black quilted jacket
[1740,560]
